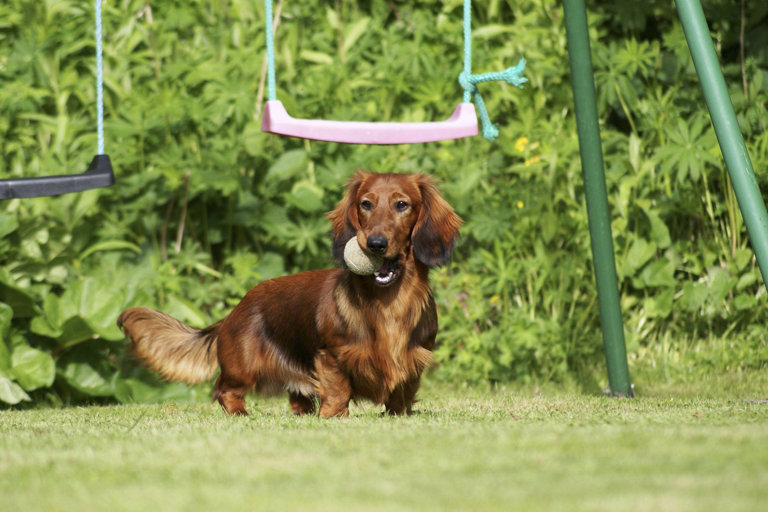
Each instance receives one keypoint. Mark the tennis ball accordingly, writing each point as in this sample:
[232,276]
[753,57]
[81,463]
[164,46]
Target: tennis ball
[360,262]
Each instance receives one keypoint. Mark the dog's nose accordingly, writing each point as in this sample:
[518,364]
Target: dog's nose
[377,243]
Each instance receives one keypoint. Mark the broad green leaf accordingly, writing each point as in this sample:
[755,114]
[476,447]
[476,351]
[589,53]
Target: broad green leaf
[86,379]
[276,222]
[660,306]
[11,393]
[88,308]
[744,302]
[40,325]
[307,197]
[271,265]
[287,166]
[659,231]
[83,204]
[73,331]
[5,359]
[353,33]
[6,315]
[640,253]
[746,280]
[8,224]
[49,324]
[333,18]
[185,311]
[32,368]
[721,284]
[20,299]
[252,139]
[659,273]
[694,295]
[743,257]
[549,226]
[100,305]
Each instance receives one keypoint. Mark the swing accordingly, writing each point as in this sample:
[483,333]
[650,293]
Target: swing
[462,123]
[99,172]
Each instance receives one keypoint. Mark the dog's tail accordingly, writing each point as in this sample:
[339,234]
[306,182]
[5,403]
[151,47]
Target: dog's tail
[173,349]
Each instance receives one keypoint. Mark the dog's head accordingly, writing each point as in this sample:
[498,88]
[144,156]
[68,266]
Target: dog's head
[396,217]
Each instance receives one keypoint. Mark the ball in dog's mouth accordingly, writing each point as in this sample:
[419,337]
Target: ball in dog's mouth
[359,261]
[363,263]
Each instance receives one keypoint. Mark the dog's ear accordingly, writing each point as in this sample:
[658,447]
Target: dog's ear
[344,217]
[437,227]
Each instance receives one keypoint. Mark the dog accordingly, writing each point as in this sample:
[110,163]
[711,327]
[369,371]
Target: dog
[326,336]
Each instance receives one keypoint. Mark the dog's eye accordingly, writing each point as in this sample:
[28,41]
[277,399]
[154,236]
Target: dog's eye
[366,205]
[401,206]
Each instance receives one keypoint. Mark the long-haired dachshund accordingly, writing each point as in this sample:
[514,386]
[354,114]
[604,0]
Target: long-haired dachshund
[329,335]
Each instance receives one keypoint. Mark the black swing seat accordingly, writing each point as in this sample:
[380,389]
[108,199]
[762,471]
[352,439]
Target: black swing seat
[99,174]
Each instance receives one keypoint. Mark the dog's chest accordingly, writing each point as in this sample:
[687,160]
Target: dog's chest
[378,353]
[377,367]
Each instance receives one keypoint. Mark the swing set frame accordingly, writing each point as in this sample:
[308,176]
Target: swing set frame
[731,143]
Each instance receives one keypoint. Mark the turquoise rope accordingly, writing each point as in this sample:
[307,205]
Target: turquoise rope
[513,76]
[467,47]
[99,82]
[271,89]
[468,81]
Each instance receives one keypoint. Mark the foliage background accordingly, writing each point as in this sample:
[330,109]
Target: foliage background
[206,205]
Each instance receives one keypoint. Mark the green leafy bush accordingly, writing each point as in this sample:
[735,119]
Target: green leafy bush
[206,205]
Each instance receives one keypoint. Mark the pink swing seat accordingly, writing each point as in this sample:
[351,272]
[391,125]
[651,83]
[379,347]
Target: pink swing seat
[462,123]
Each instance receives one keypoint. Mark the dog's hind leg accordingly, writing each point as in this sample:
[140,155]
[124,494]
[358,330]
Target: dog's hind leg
[301,404]
[231,395]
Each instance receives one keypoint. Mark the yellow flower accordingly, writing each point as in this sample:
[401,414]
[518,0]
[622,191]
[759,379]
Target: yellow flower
[533,160]
[494,299]
[521,144]
[520,205]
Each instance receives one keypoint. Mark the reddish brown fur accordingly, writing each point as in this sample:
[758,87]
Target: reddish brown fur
[329,334]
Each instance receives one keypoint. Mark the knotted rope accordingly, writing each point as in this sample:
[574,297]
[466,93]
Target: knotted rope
[468,81]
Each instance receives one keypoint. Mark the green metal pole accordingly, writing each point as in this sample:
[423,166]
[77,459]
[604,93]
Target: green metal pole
[591,150]
[727,128]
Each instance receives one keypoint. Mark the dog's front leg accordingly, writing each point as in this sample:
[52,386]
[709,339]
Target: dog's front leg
[402,398]
[332,386]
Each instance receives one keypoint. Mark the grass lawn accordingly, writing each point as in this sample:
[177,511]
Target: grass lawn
[472,449]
